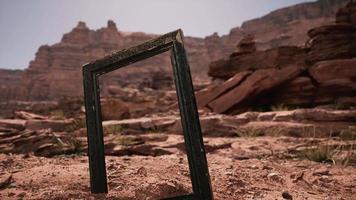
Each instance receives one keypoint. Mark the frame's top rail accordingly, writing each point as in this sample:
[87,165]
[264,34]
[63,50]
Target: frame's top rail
[160,44]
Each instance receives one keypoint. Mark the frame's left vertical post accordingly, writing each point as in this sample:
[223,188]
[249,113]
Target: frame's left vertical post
[96,151]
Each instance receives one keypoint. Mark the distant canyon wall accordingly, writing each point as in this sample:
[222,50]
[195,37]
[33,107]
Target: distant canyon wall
[56,70]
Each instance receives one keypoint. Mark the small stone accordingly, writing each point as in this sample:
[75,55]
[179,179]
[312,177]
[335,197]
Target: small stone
[267,167]
[286,195]
[322,173]
[229,173]
[21,195]
[254,167]
[273,176]
[142,171]
[5,180]
[325,179]
[11,194]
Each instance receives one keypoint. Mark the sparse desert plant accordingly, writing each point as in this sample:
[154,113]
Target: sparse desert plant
[76,144]
[280,107]
[58,114]
[322,154]
[129,140]
[76,125]
[341,106]
[249,132]
[155,130]
[113,129]
[349,134]
[342,154]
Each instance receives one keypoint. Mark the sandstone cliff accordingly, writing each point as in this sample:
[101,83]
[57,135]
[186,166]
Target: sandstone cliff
[285,26]
[9,82]
[56,70]
[321,72]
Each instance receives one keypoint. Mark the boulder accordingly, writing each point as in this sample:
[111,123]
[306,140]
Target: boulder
[114,109]
[261,81]
[245,46]
[333,69]
[203,97]
[336,79]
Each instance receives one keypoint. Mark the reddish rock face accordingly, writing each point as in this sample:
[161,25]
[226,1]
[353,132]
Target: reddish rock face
[273,58]
[242,96]
[288,26]
[207,95]
[336,79]
[9,81]
[321,73]
[56,70]
[334,41]
[299,92]
[114,109]
[334,69]
[347,14]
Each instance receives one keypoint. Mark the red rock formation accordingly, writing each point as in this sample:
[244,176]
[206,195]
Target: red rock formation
[288,26]
[9,81]
[336,40]
[261,81]
[277,57]
[347,14]
[322,73]
[55,72]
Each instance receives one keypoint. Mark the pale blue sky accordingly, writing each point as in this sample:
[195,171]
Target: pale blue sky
[27,24]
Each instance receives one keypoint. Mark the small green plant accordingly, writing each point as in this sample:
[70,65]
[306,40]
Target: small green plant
[249,132]
[322,154]
[113,129]
[349,134]
[58,114]
[76,125]
[341,106]
[129,140]
[76,144]
[155,130]
[279,107]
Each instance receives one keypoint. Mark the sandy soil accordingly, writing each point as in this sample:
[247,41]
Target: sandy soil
[255,175]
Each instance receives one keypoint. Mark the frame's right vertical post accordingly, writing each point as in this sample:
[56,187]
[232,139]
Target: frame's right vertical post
[98,180]
[190,122]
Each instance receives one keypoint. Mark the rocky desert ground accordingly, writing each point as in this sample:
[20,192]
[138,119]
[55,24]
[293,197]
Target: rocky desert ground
[277,110]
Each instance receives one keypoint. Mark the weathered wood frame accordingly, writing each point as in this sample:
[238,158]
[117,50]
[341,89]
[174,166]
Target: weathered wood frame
[188,111]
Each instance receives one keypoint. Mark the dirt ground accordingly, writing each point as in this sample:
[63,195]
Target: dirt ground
[241,170]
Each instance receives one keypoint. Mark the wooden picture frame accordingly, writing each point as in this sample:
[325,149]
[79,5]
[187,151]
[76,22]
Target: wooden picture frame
[172,41]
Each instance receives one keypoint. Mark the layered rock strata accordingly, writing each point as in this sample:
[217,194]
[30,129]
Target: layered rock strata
[322,72]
